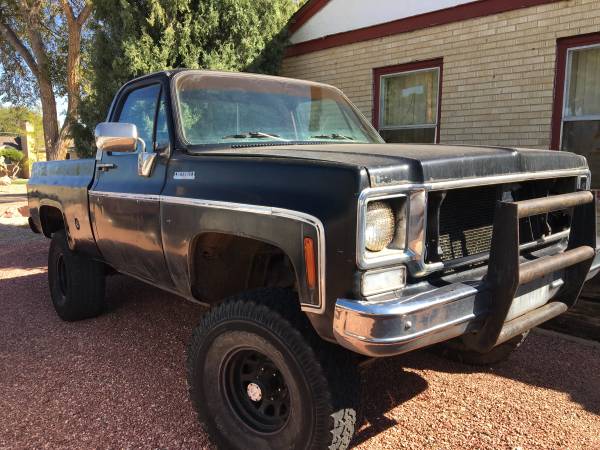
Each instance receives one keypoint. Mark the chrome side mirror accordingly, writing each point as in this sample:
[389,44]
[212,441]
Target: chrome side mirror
[116,137]
[123,137]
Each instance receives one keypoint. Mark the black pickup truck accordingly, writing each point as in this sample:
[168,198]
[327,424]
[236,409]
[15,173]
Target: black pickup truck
[276,203]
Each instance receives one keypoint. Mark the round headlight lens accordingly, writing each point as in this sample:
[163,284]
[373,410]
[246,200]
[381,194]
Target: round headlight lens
[380,226]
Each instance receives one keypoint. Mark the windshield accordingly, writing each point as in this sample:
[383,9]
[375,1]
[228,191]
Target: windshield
[222,108]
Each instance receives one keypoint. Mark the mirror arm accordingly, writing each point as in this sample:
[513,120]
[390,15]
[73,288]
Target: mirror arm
[142,143]
[146,161]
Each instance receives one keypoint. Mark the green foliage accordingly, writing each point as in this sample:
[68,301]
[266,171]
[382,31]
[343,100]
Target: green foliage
[12,154]
[135,37]
[13,117]
[18,85]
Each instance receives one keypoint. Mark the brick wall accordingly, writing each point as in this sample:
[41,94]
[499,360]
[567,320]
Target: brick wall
[497,87]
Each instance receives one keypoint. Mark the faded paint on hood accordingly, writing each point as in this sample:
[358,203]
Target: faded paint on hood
[390,164]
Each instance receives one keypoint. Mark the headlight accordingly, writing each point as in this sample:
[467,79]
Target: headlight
[383,227]
[383,280]
[380,226]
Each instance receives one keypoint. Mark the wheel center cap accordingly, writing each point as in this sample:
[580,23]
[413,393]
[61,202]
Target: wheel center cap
[254,392]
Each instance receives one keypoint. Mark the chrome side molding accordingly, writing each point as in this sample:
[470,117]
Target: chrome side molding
[255,209]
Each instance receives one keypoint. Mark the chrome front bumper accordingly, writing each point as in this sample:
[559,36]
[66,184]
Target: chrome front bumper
[514,297]
[408,323]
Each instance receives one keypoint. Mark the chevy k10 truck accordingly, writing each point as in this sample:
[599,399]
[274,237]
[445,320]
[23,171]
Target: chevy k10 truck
[276,203]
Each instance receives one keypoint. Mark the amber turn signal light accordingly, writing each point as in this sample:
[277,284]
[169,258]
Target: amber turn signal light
[309,260]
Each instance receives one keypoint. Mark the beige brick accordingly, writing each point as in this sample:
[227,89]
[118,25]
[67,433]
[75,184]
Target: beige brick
[498,70]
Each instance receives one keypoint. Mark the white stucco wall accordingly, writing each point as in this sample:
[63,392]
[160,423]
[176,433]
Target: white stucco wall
[346,15]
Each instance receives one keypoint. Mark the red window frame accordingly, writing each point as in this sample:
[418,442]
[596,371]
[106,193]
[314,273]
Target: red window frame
[437,63]
[563,46]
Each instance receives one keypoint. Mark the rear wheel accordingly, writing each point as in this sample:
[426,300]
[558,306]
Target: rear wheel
[76,281]
[456,351]
[255,382]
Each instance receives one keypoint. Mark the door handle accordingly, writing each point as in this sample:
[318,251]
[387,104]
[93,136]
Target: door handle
[105,167]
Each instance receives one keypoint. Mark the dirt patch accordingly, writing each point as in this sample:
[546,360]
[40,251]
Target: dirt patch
[14,190]
[14,213]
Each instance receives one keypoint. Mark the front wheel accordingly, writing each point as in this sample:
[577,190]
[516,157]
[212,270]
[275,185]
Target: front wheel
[256,383]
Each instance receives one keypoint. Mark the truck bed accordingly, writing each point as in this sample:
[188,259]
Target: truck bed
[63,186]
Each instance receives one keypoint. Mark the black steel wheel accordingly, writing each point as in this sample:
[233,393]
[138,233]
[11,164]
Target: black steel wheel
[256,390]
[256,382]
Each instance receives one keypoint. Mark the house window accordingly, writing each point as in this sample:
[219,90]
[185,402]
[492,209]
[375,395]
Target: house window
[581,108]
[576,123]
[407,102]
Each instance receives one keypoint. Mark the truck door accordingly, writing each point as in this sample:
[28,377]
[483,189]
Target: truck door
[125,205]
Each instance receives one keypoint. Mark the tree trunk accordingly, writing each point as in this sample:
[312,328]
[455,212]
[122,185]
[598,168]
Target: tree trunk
[74,25]
[42,74]
[73,80]
[36,58]
[49,119]
[73,60]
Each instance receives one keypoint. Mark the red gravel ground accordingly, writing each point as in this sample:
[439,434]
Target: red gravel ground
[118,381]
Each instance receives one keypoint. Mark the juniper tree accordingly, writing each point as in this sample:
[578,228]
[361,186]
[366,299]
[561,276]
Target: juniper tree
[134,37]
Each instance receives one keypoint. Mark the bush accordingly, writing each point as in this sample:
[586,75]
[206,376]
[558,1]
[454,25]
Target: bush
[12,155]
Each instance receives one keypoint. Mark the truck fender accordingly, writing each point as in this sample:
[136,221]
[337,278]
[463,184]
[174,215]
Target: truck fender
[185,221]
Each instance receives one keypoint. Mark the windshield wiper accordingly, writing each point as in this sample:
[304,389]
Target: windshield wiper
[335,136]
[255,135]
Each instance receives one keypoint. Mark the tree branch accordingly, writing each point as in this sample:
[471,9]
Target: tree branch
[81,18]
[84,14]
[31,17]
[17,44]
[68,11]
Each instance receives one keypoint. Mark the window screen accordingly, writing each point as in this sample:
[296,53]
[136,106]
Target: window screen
[409,103]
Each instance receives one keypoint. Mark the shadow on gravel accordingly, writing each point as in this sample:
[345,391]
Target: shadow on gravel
[388,383]
[126,293]
[566,367]
[385,386]
[14,237]
[21,254]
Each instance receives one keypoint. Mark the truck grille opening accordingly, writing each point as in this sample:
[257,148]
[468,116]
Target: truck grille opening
[466,219]
[460,221]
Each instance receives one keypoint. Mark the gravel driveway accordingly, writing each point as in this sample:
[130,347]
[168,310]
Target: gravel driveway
[118,381]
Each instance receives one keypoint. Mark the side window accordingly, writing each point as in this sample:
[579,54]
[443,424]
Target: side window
[140,109]
[162,128]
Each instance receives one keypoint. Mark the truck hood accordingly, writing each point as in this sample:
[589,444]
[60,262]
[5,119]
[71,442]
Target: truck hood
[389,164]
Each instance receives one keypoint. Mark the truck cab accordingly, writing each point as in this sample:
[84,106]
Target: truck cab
[275,203]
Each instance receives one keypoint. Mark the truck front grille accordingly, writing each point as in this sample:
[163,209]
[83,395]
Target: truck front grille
[460,221]
[466,218]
